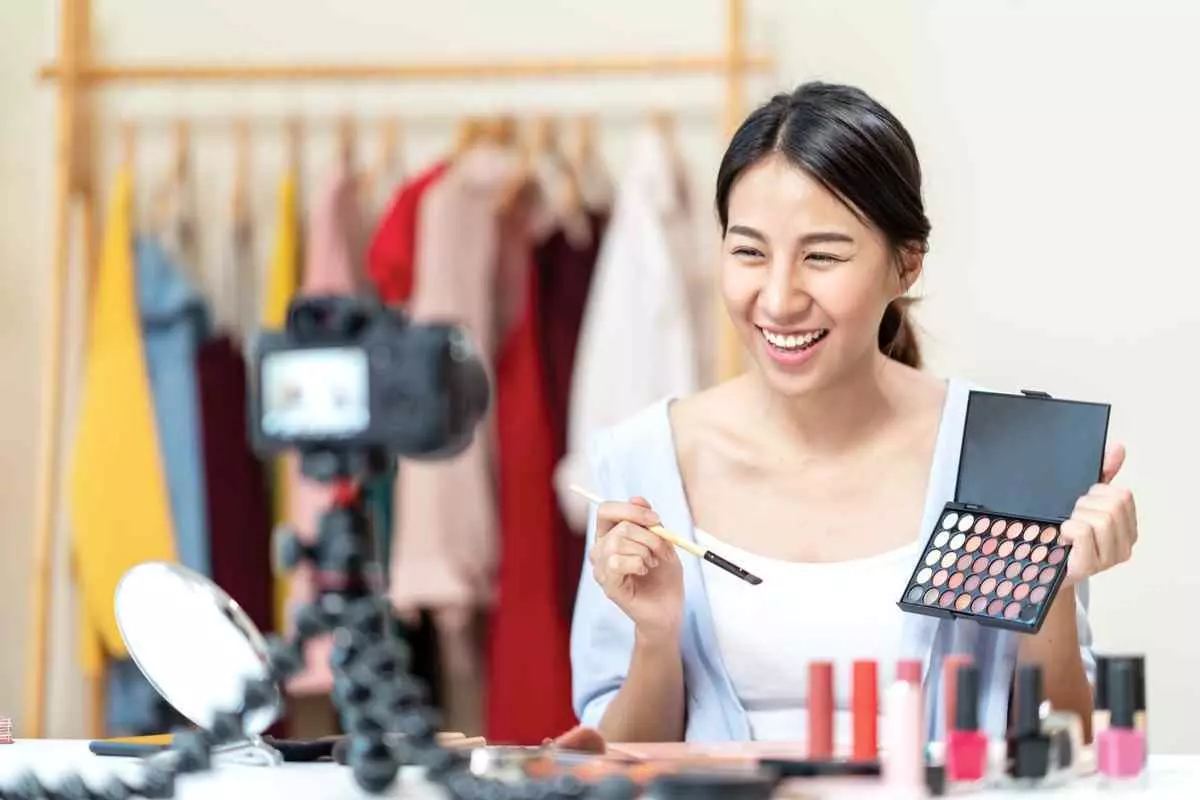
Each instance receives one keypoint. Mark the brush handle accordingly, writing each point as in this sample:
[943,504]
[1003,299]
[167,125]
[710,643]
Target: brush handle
[673,538]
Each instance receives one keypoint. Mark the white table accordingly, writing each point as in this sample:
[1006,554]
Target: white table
[1174,777]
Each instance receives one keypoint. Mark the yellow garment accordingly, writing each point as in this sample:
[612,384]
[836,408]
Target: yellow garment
[283,277]
[119,505]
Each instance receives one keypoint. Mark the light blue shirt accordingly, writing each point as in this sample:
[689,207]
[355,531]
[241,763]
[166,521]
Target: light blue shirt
[637,457]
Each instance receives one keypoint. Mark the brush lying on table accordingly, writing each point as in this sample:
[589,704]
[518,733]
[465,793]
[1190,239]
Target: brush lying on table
[683,544]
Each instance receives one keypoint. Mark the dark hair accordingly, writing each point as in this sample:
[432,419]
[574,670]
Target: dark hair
[860,152]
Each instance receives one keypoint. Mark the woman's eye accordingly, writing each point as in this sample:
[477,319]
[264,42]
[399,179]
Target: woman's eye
[825,258]
[748,252]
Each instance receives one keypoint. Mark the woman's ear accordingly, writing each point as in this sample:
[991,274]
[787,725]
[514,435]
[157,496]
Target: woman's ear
[910,261]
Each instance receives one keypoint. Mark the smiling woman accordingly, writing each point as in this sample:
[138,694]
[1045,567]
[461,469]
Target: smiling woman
[822,468]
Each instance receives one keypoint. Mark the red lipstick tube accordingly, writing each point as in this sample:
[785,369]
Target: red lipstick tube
[865,704]
[820,709]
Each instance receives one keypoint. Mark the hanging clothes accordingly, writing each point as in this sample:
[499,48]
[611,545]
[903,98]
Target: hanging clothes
[637,341]
[117,523]
[444,544]
[282,278]
[529,670]
[392,251]
[333,265]
[565,261]
[238,502]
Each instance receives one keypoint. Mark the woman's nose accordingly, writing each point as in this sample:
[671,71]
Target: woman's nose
[785,295]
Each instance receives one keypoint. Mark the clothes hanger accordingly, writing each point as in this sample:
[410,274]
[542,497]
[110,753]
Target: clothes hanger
[239,200]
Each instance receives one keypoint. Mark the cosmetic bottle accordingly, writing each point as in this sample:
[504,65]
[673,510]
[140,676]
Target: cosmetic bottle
[1028,761]
[966,746]
[903,742]
[1121,749]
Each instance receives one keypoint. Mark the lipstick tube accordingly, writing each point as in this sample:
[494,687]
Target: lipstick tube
[865,706]
[820,709]
[904,754]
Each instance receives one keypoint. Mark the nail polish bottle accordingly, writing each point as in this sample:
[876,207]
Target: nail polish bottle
[966,746]
[1121,750]
[1028,747]
[1140,723]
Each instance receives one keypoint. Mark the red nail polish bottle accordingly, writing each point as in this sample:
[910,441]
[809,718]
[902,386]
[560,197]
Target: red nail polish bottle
[966,746]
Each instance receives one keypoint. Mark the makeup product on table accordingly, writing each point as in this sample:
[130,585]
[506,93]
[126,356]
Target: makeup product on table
[1036,757]
[820,710]
[950,665]
[909,669]
[864,702]
[1101,702]
[996,554]
[1121,748]
[683,544]
[904,752]
[966,745]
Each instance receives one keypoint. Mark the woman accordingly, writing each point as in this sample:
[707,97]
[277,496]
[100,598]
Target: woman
[822,468]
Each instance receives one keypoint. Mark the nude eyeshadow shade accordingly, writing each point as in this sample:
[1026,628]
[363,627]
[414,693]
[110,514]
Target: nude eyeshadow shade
[995,554]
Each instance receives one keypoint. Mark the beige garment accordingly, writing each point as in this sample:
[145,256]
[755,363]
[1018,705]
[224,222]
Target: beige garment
[444,541]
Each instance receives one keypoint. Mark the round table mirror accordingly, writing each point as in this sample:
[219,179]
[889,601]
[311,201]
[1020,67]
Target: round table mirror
[193,642]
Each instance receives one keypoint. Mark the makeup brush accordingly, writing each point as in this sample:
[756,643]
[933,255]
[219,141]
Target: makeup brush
[683,544]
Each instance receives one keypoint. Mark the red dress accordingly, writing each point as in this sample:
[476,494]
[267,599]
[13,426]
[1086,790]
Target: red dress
[529,669]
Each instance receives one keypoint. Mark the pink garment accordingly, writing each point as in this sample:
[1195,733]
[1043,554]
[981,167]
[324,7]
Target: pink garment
[333,264]
[444,549]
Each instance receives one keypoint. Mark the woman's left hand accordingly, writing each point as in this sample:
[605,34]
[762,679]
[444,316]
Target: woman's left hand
[1103,526]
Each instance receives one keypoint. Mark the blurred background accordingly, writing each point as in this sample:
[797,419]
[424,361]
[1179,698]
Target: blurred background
[1058,141]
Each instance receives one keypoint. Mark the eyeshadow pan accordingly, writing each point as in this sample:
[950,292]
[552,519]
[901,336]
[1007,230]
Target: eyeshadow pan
[1031,571]
[982,524]
[972,583]
[1012,610]
[973,543]
[998,527]
[1021,592]
[1013,570]
[1006,549]
[980,564]
[914,594]
[1038,594]
[962,601]
[989,586]
[956,580]
[950,520]
[1039,553]
[966,522]
[1004,589]
[995,606]
[948,560]
[1032,532]
[933,557]
[940,577]
[924,575]
[1048,535]
[1022,552]
[1047,575]
[931,596]
[941,538]
[964,562]
[979,605]
[957,541]
[1014,530]
[997,567]
[989,546]
[1028,613]
[947,598]
[1056,555]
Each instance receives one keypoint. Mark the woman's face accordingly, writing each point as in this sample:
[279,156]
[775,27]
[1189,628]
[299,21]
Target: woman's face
[805,280]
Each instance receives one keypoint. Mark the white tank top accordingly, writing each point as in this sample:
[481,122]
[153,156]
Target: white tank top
[802,612]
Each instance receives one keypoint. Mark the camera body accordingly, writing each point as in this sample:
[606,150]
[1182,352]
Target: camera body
[348,374]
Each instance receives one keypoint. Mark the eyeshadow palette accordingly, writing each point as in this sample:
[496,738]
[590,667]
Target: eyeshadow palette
[996,554]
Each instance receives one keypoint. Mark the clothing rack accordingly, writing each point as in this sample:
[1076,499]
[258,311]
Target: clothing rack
[77,73]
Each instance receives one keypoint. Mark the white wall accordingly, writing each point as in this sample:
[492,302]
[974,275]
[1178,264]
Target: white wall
[1059,141]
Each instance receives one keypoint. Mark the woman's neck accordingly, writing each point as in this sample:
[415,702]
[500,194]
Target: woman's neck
[835,419]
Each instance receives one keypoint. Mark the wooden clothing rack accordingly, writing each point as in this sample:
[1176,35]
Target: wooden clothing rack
[78,72]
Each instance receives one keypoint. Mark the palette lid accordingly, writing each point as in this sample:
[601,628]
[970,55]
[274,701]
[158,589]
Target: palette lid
[1030,454]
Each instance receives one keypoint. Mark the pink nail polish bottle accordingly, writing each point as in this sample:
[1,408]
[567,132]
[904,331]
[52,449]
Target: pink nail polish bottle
[1121,748]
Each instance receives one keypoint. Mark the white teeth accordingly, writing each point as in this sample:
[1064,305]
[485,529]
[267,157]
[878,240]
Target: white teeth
[792,341]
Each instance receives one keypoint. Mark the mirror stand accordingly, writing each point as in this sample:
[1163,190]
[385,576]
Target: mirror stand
[253,752]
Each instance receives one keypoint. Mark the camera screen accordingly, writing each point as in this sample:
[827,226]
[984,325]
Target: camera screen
[316,393]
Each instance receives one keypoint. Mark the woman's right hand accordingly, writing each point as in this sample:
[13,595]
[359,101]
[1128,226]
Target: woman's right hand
[638,570]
